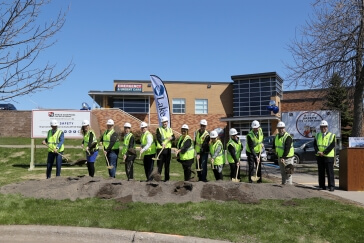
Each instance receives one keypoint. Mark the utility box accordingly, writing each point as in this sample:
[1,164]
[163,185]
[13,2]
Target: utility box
[351,169]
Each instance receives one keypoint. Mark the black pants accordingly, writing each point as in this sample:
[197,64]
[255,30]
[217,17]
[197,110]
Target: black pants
[252,161]
[148,163]
[233,169]
[129,166]
[91,168]
[325,164]
[186,165]
[164,159]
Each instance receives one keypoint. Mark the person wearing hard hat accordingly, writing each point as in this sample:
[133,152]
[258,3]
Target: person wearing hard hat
[110,143]
[324,144]
[216,153]
[202,140]
[128,151]
[234,148]
[283,146]
[147,149]
[55,143]
[165,137]
[185,152]
[90,146]
[254,145]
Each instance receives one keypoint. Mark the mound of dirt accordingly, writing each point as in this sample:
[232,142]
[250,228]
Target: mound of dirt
[156,192]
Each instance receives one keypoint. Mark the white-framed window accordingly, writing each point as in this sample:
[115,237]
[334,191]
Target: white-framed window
[178,106]
[201,106]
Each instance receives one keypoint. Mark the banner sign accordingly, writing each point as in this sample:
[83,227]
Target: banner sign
[129,87]
[69,122]
[356,142]
[305,124]
[160,98]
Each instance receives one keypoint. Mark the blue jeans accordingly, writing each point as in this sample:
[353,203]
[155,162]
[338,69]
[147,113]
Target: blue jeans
[113,157]
[203,165]
[50,162]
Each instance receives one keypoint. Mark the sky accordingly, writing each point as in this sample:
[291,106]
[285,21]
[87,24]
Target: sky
[189,40]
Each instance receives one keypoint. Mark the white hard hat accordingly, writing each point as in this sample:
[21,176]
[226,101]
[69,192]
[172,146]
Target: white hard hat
[255,124]
[281,125]
[233,132]
[203,122]
[110,122]
[185,126]
[127,124]
[323,123]
[143,124]
[213,134]
[54,123]
[164,119]
[85,123]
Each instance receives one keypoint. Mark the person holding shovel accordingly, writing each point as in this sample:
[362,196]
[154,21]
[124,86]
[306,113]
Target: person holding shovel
[110,144]
[128,151]
[202,139]
[234,148]
[254,141]
[89,145]
[55,143]
[165,137]
[283,146]
[216,153]
[185,152]
[147,149]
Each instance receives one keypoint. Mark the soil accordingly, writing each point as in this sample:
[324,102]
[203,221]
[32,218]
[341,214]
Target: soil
[160,192]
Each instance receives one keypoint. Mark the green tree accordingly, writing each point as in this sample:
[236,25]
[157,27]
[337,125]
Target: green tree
[332,42]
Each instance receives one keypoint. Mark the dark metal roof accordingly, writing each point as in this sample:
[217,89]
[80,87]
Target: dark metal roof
[257,75]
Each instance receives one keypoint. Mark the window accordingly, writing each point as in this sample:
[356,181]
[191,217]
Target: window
[132,105]
[201,106]
[178,106]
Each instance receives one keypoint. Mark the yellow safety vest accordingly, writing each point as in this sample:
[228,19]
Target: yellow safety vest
[323,143]
[257,142]
[143,141]
[190,153]
[126,143]
[165,133]
[200,140]
[53,140]
[219,160]
[86,139]
[279,143]
[238,147]
[106,140]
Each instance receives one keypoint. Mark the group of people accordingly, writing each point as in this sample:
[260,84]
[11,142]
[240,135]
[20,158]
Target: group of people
[205,145]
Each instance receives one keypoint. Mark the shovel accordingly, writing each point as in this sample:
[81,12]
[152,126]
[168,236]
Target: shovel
[107,160]
[236,176]
[64,157]
[198,165]
[158,155]
[256,178]
[79,162]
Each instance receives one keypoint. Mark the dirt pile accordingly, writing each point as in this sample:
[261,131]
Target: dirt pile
[156,192]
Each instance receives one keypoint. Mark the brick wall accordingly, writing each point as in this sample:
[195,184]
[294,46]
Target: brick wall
[15,123]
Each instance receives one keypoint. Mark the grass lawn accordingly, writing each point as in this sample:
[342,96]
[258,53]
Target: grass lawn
[308,220]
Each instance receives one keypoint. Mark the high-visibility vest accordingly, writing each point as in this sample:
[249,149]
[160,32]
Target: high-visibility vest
[86,139]
[257,142]
[106,140]
[238,147]
[126,143]
[165,133]
[323,143]
[144,141]
[53,140]
[200,140]
[280,142]
[219,160]
[190,153]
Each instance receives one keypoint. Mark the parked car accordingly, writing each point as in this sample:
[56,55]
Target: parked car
[268,142]
[304,152]
[243,153]
[7,107]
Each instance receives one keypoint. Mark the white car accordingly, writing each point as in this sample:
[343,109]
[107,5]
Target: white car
[243,153]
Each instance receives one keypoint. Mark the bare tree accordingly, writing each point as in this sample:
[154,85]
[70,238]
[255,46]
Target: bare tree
[23,38]
[332,42]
